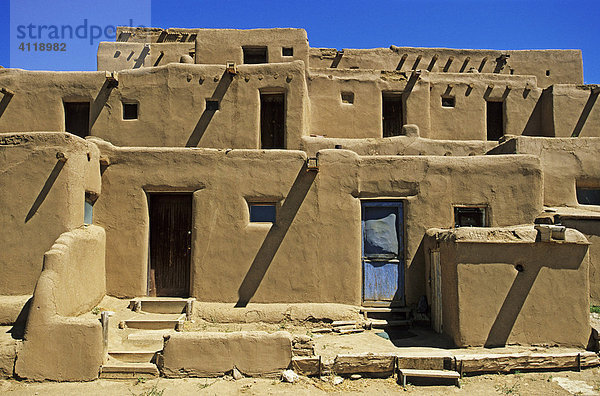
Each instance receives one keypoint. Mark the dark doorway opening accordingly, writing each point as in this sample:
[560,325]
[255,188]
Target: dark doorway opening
[77,118]
[170,244]
[392,114]
[469,217]
[272,120]
[495,120]
[255,55]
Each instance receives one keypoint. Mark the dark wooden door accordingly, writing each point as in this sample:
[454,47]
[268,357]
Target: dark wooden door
[170,244]
[272,121]
[392,114]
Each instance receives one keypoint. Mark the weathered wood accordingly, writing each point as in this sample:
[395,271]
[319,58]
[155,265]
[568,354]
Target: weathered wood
[524,361]
[380,365]
[429,373]
[422,362]
[350,331]
[342,328]
[306,365]
[343,323]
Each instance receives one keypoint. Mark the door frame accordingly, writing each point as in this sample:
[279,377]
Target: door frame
[401,227]
[192,220]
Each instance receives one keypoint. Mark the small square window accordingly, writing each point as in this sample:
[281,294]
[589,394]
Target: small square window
[130,111]
[262,212]
[448,101]
[287,51]
[348,97]
[588,196]
[212,105]
[469,217]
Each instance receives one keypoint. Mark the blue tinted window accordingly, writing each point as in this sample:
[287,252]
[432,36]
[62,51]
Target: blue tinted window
[263,213]
[88,213]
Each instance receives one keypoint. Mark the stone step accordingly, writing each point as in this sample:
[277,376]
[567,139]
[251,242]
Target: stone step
[139,356]
[386,312]
[384,309]
[163,305]
[447,374]
[153,324]
[383,323]
[128,370]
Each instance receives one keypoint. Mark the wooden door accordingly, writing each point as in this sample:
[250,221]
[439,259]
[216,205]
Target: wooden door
[272,121]
[382,251]
[170,244]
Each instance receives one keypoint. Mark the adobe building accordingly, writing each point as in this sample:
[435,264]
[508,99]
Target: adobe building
[243,166]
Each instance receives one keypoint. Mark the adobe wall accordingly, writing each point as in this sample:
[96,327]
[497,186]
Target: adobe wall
[172,102]
[218,46]
[564,66]
[313,253]
[125,55]
[487,301]
[576,112]
[41,197]
[565,161]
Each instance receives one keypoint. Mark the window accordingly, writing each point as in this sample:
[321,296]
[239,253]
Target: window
[77,118]
[88,214]
[287,51]
[348,97]
[495,120]
[469,216]
[255,55]
[588,196]
[262,212]
[212,104]
[448,101]
[392,113]
[130,111]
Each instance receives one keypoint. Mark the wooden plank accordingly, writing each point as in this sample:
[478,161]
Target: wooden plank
[524,361]
[369,363]
[343,323]
[429,373]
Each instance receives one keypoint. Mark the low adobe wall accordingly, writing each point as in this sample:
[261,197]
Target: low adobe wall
[500,286]
[59,345]
[207,354]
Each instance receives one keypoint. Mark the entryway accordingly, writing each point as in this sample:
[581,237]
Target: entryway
[383,253]
[170,244]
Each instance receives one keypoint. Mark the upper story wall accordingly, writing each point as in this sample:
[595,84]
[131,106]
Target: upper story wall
[548,66]
[171,102]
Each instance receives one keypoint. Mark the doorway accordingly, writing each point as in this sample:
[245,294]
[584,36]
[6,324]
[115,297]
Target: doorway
[170,244]
[383,253]
[272,120]
[77,118]
[391,113]
[495,120]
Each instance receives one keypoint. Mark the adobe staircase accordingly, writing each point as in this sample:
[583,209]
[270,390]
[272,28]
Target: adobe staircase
[135,342]
[387,317]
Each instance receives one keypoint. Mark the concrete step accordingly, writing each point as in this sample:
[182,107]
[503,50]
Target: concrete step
[128,370]
[163,305]
[139,356]
[446,374]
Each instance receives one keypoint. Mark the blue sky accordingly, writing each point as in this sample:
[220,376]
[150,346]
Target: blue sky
[494,24]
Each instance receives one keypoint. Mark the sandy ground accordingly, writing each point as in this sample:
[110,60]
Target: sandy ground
[547,383]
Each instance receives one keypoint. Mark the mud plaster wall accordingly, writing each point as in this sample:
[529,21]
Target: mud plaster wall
[313,253]
[218,46]
[565,161]
[122,55]
[492,304]
[576,111]
[591,230]
[41,198]
[171,99]
[564,66]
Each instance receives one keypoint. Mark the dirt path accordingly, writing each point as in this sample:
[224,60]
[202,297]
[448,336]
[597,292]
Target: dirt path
[514,384]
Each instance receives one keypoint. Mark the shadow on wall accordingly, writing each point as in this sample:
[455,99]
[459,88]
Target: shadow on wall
[17,331]
[521,287]
[45,190]
[208,114]
[100,101]
[139,62]
[4,103]
[534,126]
[585,113]
[274,238]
